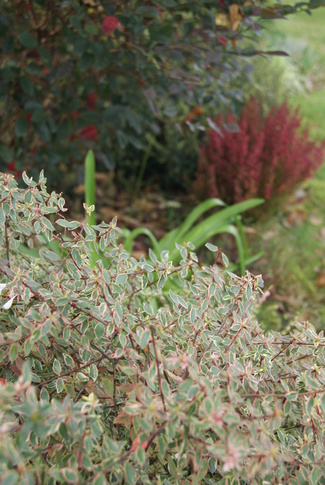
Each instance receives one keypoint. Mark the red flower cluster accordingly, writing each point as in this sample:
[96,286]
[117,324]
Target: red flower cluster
[109,24]
[270,155]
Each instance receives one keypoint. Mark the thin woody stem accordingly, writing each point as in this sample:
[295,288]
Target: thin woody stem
[158,371]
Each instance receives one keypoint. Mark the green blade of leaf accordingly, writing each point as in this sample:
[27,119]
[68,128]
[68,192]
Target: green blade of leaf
[138,232]
[212,225]
[189,221]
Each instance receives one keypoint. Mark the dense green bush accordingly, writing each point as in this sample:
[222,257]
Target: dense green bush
[108,377]
[110,75]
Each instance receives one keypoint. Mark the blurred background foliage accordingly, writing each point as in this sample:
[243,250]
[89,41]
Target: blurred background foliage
[112,76]
[106,75]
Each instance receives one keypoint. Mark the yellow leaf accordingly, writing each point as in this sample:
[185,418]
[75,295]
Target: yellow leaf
[236,15]
[222,20]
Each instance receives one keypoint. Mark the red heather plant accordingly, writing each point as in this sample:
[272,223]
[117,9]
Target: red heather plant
[106,377]
[267,157]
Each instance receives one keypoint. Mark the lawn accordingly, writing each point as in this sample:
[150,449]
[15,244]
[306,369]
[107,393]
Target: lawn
[305,40]
[312,106]
[309,28]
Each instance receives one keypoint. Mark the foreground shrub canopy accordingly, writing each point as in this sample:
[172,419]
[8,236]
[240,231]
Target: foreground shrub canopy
[142,372]
[267,156]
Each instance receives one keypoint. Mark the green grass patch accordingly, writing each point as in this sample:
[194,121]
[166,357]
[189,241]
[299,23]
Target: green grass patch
[307,27]
[312,108]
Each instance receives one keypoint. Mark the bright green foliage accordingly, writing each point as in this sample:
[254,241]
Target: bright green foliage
[102,385]
[112,75]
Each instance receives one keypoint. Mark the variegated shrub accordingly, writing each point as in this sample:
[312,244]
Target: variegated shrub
[142,372]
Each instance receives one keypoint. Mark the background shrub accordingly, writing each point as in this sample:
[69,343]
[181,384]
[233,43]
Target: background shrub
[76,75]
[109,76]
[267,156]
[109,376]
